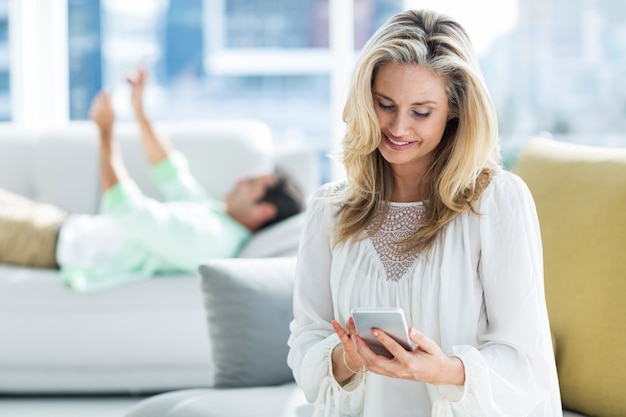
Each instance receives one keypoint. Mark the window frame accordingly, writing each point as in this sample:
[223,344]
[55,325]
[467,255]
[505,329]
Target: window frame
[39,77]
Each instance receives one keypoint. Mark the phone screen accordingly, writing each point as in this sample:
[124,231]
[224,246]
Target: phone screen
[391,320]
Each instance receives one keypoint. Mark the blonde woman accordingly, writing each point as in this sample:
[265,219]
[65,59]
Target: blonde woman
[428,221]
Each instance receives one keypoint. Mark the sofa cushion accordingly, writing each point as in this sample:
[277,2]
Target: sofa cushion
[146,337]
[249,308]
[17,159]
[580,193]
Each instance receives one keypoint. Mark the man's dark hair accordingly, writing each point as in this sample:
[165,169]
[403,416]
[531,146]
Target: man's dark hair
[286,195]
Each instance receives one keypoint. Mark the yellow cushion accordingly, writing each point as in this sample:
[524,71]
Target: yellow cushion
[580,193]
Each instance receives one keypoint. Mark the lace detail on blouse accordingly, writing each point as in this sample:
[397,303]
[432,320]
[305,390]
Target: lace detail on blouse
[401,221]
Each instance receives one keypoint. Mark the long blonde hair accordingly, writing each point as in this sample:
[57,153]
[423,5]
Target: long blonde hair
[468,152]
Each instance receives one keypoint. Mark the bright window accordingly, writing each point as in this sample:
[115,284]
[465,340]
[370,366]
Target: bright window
[551,65]
[554,66]
[271,60]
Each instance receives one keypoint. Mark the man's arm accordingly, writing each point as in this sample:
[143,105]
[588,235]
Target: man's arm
[156,148]
[112,168]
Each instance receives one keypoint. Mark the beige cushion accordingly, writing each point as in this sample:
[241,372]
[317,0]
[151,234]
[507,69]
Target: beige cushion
[580,193]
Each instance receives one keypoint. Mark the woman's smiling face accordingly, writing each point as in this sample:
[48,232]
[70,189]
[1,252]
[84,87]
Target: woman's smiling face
[412,109]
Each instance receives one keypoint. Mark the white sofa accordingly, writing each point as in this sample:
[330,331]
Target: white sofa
[143,337]
[250,375]
[171,334]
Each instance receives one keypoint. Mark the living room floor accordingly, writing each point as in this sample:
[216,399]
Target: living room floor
[104,406]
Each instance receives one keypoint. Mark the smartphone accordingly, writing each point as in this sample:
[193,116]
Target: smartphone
[391,320]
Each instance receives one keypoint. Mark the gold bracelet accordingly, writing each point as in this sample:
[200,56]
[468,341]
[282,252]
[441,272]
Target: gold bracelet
[345,362]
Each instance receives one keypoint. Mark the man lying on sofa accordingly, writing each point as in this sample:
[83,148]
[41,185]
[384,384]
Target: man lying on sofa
[135,237]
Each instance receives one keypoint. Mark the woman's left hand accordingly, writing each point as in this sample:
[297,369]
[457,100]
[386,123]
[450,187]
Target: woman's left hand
[426,362]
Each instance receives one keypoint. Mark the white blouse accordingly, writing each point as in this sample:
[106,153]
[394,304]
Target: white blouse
[479,294]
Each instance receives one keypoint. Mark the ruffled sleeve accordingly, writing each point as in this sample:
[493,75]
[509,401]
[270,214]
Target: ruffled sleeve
[312,336]
[512,371]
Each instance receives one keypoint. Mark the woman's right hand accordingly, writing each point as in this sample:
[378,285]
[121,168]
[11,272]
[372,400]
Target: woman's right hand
[352,359]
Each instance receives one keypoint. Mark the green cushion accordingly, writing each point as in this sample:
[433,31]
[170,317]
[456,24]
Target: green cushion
[580,193]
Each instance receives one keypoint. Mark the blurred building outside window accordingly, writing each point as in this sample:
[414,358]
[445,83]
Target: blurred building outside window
[551,65]
[279,61]
[5,67]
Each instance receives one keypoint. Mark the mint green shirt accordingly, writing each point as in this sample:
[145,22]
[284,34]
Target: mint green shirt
[136,237]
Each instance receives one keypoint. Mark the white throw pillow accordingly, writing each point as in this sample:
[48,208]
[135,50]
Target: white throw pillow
[277,240]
